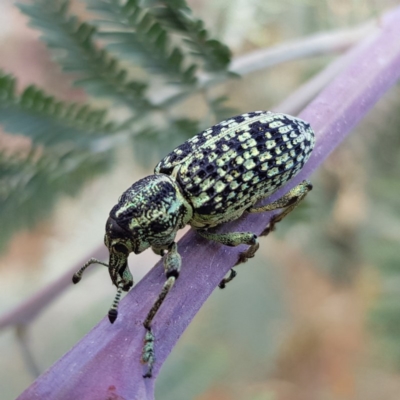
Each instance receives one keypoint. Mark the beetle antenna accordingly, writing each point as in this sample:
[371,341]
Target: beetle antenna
[78,275]
[113,312]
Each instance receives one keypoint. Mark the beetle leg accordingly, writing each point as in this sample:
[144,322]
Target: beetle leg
[231,239]
[172,265]
[232,274]
[288,202]
[234,239]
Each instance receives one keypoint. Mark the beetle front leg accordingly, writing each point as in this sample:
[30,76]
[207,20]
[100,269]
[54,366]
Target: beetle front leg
[172,265]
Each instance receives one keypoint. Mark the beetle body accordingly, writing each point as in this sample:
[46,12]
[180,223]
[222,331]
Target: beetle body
[229,167]
[210,179]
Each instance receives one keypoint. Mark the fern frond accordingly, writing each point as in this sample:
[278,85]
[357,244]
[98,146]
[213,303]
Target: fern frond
[176,15]
[31,184]
[99,73]
[45,119]
[138,36]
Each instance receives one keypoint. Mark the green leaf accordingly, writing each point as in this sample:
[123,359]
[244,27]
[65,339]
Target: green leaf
[98,72]
[175,14]
[138,36]
[46,120]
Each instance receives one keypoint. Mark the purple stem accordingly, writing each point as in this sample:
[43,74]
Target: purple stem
[105,363]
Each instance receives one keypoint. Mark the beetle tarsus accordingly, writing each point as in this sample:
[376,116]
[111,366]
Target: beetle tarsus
[224,281]
[148,357]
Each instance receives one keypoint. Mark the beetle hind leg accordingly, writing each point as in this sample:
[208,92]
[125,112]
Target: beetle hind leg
[288,203]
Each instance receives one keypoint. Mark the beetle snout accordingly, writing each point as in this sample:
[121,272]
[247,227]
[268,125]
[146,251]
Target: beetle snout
[116,267]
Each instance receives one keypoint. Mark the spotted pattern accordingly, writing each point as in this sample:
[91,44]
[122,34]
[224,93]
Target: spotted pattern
[150,207]
[230,166]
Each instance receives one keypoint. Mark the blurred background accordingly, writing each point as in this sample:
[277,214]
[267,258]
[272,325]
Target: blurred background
[316,314]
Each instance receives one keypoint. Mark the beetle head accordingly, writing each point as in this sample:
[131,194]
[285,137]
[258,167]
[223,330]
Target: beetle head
[148,214]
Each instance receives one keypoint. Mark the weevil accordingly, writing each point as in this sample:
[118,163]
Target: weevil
[212,178]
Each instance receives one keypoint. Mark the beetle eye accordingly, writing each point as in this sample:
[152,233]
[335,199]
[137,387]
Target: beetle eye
[121,248]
